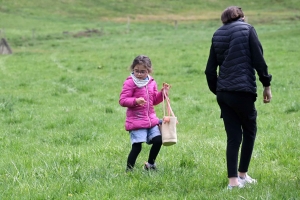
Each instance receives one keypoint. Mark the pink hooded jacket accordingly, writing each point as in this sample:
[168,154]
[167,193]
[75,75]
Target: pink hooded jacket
[137,116]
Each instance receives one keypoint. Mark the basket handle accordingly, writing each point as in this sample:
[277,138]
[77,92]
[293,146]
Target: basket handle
[166,101]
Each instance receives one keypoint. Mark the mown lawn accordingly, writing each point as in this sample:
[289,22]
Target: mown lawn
[62,130]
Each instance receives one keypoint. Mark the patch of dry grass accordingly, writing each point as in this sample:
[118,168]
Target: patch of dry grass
[254,16]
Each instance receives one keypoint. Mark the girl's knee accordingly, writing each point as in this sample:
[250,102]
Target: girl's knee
[137,147]
[157,140]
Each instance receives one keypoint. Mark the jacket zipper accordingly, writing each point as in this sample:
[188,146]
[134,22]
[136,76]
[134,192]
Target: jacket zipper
[148,106]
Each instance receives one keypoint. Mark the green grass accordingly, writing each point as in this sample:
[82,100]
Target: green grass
[62,130]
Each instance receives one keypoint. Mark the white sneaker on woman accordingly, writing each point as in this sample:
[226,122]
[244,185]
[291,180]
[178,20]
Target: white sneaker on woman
[247,180]
[240,185]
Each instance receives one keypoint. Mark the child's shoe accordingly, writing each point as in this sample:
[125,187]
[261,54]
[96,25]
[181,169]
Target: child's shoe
[129,169]
[149,166]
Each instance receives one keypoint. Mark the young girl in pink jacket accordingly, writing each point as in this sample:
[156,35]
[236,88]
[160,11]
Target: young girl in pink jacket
[139,94]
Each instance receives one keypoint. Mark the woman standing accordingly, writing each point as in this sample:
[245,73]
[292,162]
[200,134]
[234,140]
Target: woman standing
[238,53]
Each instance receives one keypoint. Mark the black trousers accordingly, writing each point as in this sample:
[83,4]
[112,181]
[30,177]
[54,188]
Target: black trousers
[239,116]
[136,149]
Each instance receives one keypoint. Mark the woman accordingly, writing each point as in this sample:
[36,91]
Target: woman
[238,53]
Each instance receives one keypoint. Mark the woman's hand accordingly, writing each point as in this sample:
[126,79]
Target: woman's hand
[267,94]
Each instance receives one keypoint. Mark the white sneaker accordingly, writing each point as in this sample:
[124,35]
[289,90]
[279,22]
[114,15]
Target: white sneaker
[240,185]
[247,180]
[148,166]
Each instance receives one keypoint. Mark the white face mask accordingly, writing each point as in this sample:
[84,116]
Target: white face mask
[139,82]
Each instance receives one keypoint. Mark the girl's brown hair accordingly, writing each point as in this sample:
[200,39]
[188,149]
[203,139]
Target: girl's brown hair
[231,13]
[142,60]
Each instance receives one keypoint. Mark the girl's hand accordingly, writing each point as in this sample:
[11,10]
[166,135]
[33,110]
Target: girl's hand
[166,86]
[140,101]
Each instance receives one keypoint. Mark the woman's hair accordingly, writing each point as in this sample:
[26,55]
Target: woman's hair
[231,13]
[142,60]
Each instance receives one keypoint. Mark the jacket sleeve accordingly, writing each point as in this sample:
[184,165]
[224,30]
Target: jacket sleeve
[211,70]
[258,61]
[126,96]
[157,96]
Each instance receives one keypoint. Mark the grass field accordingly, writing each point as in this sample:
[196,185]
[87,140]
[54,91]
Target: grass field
[62,130]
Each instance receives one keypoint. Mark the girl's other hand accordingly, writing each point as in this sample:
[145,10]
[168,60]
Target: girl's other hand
[140,101]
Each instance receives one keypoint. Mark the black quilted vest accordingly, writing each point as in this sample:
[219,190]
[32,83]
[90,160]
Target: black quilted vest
[231,45]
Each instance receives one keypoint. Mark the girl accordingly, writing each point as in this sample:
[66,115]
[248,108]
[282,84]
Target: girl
[140,95]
